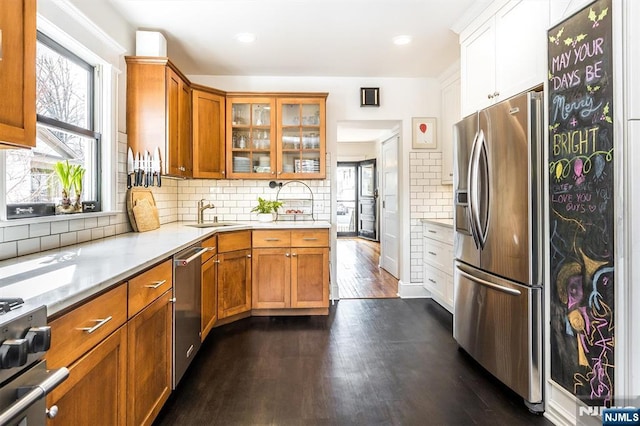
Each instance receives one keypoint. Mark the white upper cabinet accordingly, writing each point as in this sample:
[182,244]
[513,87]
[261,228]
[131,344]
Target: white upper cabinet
[450,116]
[478,68]
[505,55]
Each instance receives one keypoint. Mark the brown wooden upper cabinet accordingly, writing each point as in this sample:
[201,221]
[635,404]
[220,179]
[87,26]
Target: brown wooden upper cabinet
[208,132]
[273,136]
[159,113]
[18,73]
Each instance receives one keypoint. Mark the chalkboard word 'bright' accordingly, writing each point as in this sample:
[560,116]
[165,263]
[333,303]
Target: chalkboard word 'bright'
[580,142]
[629,416]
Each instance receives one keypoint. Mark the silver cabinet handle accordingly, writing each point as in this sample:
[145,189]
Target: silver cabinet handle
[36,393]
[185,262]
[156,285]
[432,281]
[272,239]
[100,323]
[309,239]
[431,231]
[432,253]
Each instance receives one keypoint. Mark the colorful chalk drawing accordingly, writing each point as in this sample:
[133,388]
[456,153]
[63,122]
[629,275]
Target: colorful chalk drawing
[581,209]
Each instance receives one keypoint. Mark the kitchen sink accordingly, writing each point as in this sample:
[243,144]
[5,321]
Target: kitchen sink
[212,224]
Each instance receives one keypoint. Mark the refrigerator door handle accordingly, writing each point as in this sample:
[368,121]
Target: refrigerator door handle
[482,203]
[472,180]
[509,291]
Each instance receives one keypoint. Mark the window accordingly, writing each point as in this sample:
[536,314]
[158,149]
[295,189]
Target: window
[65,131]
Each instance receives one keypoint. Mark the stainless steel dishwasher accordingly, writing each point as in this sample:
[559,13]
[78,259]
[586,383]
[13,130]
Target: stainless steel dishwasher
[186,309]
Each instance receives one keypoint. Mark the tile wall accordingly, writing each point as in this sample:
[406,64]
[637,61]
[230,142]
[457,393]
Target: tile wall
[429,200]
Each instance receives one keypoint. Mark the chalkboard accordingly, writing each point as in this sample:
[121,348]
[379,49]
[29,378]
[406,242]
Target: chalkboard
[581,215]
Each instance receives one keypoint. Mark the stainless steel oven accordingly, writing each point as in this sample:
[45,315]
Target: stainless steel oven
[24,378]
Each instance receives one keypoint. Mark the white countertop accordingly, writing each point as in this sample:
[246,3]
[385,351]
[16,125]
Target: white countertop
[442,222]
[63,277]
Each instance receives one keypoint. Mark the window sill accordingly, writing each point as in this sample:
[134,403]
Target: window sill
[56,218]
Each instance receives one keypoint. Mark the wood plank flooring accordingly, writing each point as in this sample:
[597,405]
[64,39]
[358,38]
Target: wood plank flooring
[358,274]
[370,362]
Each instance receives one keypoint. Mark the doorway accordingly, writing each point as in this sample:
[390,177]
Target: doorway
[356,209]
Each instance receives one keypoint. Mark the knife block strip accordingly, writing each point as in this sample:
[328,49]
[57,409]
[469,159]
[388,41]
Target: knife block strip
[142,210]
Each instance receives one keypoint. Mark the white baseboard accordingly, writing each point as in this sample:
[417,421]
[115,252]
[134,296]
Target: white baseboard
[560,407]
[412,290]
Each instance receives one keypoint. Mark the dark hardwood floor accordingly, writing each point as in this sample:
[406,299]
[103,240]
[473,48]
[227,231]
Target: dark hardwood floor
[370,362]
[357,272]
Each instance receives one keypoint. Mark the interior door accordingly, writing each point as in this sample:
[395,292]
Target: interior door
[367,200]
[389,244]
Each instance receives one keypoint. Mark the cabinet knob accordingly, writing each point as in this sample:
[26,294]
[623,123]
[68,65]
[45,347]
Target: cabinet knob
[496,94]
[182,168]
[52,411]
[249,256]
[490,96]
[287,254]
[293,254]
[223,173]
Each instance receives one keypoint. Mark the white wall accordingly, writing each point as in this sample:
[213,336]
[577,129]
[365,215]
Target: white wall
[400,99]
[357,151]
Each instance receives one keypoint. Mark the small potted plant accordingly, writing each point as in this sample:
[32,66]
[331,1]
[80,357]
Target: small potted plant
[266,209]
[70,176]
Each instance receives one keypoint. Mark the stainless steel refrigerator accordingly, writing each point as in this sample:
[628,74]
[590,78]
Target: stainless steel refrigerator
[498,242]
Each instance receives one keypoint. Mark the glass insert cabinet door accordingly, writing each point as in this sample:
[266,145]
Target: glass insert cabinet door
[251,148]
[301,138]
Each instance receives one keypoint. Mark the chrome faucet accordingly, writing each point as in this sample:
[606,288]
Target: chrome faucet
[201,208]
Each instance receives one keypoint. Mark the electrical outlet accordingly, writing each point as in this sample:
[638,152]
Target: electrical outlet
[320,206]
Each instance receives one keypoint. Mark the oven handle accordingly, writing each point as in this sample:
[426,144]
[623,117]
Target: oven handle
[37,392]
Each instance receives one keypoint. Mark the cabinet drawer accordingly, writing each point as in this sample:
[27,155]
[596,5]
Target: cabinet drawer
[149,285]
[232,241]
[211,243]
[436,232]
[439,255]
[274,238]
[435,281]
[310,238]
[74,333]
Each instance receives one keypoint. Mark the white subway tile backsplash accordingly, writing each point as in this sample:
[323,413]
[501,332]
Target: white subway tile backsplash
[50,242]
[19,232]
[8,250]
[28,246]
[68,238]
[39,229]
[60,227]
[84,235]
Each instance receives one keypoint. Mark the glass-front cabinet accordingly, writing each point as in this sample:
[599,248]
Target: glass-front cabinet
[276,137]
[251,148]
[301,138]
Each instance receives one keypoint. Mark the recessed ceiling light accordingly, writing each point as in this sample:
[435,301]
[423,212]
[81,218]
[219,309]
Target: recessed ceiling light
[246,37]
[402,39]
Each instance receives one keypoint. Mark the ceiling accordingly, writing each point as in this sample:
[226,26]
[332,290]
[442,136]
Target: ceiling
[342,38]
[305,37]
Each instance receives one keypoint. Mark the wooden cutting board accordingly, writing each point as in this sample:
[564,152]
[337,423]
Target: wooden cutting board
[142,210]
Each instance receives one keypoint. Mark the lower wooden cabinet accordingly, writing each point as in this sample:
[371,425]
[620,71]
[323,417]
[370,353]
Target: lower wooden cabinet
[296,276]
[209,286]
[310,278]
[149,361]
[95,391]
[234,273]
[234,283]
[271,278]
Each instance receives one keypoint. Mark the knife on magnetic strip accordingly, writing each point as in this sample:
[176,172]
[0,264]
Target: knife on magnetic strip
[156,166]
[130,168]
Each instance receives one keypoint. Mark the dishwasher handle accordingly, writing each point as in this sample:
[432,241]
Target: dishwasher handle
[184,262]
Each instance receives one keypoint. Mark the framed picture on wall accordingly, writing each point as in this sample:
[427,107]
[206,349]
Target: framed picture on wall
[424,133]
